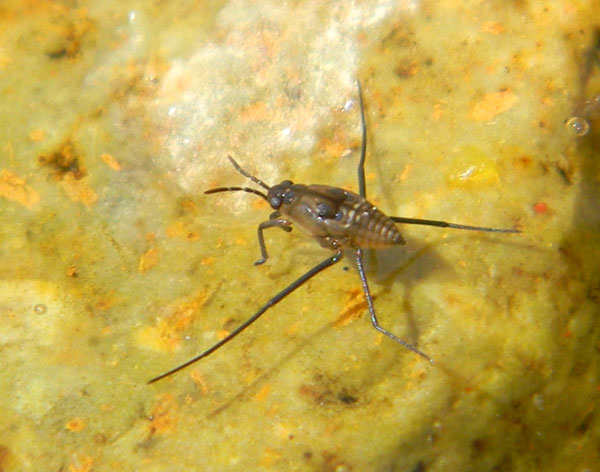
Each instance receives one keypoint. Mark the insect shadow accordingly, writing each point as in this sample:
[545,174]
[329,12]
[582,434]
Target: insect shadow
[338,220]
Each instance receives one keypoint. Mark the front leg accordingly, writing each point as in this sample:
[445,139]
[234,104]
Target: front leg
[275,220]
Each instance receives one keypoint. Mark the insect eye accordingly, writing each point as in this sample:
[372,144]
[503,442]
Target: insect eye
[289,197]
[324,210]
[275,202]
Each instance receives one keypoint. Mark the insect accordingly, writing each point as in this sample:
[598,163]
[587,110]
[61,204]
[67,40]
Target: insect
[338,220]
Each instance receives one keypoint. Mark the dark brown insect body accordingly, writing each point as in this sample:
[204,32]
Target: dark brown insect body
[338,219]
[334,217]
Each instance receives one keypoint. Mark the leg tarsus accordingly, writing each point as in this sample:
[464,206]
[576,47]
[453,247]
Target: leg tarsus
[376,325]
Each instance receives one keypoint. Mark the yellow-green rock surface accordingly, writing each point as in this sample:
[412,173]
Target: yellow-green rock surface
[115,267]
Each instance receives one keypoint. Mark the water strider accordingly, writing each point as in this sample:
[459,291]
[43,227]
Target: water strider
[338,219]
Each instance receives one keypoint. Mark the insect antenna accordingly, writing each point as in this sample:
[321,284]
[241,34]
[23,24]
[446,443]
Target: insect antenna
[246,174]
[444,224]
[242,189]
[237,189]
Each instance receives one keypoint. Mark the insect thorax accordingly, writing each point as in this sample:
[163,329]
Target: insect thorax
[339,218]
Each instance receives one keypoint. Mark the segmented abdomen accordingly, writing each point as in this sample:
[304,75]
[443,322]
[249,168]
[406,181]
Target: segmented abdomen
[368,227]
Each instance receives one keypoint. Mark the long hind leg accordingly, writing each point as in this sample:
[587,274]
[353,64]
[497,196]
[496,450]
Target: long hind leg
[273,301]
[376,325]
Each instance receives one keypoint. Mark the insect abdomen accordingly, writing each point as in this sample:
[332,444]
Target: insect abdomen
[370,228]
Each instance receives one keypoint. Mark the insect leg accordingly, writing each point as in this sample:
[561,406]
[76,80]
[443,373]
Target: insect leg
[274,221]
[444,224]
[273,301]
[362,190]
[365,286]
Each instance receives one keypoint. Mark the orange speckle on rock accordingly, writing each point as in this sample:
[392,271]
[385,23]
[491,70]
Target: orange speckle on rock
[283,432]
[492,27]
[178,230]
[78,189]
[270,457]
[5,59]
[310,392]
[437,112]
[107,301]
[76,425]
[110,161]
[291,329]
[83,464]
[15,189]
[405,173]
[163,416]
[524,162]
[149,259]
[337,143]
[256,111]
[331,428]
[407,68]
[259,204]
[188,205]
[189,399]
[37,135]
[166,334]
[263,393]
[540,207]
[354,308]
[568,334]
[222,334]
[492,105]
[199,380]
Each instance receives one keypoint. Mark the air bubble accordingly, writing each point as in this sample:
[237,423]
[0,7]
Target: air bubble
[40,309]
[578,126]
